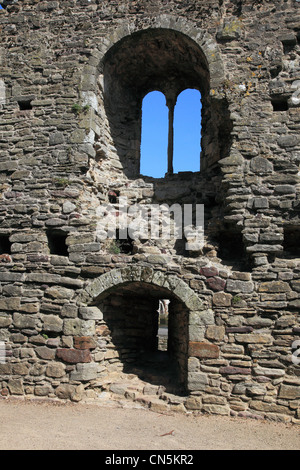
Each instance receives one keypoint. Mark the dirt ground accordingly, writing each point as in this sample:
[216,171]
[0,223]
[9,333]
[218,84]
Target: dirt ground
[46,426]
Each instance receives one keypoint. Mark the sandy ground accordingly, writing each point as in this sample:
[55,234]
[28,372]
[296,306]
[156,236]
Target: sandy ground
[44,426]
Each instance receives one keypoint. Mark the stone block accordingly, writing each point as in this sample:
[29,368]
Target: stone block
[10,303]
[5,320]
[159,406]
[269,371]
[84,342]
[289,392]
[202,318]
[42,390]
[16,386]
[55,370]
[45,353]
[196,332]
[74,356]
[91,313]
[254,338]
[24,321]
[65,391]
[287,141]
[52,323]
[56,138]
[197,381]
[209,271]
[215,283]
[85,372]
[59,292]
[296,285]
[203,350]
[69,310]
[72,327]
[216,409]
[215,333]
[88,328]
[193,403]
[222,299]
[239,287]
[274,286]
[261,165]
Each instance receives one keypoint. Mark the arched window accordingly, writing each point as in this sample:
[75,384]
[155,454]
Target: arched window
[167,61]
[154,139]
[187,131]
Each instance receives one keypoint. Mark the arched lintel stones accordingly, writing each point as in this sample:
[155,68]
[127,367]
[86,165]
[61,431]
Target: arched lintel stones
[104,284]
[201,37]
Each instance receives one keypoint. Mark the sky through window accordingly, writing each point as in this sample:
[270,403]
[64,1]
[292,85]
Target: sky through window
[187,133]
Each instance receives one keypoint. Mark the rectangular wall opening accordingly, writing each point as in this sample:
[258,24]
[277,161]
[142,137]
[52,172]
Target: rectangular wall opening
[280,104]
[25,105]
[5,245]
[291,243]
[57,243]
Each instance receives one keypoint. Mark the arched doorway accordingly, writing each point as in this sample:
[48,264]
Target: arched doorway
[131,318]
[127,330]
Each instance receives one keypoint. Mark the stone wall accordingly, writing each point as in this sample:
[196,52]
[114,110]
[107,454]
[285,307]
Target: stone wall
[72,78]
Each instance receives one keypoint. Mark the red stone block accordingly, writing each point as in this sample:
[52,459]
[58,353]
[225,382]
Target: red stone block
[203,350]
[209,271]
[215,283]
[73,356]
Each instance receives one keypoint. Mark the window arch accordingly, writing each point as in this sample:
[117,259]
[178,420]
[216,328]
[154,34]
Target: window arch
[154,139]
[169,61]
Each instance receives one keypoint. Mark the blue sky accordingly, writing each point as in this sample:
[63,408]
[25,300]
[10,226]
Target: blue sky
[187,130]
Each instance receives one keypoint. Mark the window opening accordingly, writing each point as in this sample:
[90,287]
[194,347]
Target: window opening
[280,104]
[291,241]
[154,140]
[187,131]
[113,196]
[25,105]
[231,249]
[5,245]
[57,243]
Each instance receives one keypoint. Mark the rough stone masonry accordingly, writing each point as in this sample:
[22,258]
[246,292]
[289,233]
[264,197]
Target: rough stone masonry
[74,308]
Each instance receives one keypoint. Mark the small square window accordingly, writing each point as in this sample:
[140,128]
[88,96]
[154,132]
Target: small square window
[25,105]
[280,105]
[57,243]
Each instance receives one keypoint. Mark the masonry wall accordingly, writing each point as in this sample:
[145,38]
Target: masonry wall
[69,138]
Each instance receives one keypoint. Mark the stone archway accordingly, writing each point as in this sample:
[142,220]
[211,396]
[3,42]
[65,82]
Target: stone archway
[126,297]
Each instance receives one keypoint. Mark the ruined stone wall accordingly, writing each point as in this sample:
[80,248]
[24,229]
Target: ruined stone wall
[72,77]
